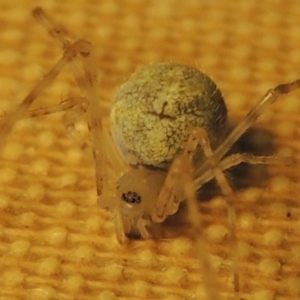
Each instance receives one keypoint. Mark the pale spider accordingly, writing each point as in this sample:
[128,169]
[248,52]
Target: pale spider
[169,124]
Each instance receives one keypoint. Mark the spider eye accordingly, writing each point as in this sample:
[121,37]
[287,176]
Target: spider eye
[131,197]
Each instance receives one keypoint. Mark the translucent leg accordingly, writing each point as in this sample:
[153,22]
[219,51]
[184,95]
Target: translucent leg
[87,81]
[182,167]
[71,51]
[198,135]
[236,159]
[263,105]
[64,105]
[196,220]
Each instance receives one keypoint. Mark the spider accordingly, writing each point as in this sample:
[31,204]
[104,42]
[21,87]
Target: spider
[169,136]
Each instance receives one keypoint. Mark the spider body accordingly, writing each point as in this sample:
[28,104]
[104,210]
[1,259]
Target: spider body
[169,123]
[151,119]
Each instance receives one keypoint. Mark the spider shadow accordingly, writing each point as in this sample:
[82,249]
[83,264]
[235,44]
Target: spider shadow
[256,142]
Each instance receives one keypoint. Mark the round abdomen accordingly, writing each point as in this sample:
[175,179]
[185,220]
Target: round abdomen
[155,110]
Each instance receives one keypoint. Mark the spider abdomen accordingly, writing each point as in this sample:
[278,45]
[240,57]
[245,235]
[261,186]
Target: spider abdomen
[155,110]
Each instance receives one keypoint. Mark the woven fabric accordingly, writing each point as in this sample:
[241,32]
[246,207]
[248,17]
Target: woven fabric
[56,243]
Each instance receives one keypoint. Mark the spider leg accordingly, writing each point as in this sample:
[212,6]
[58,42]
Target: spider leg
[56,31]
[182,168]
[268,99]
[196,220]
[119,226]
[200,136]
[71,51]
[87,81]
[163,208]
[64,105]
[167,200]
[118,167]
[95,116]
[236,159]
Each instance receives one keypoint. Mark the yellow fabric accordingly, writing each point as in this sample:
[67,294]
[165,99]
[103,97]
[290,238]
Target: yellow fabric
[56,243]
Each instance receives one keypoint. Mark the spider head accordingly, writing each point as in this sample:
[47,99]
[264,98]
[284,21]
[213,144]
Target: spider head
[136,195]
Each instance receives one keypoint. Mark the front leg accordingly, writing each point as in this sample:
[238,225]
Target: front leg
[181,174]
[168,200]
[172,192]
